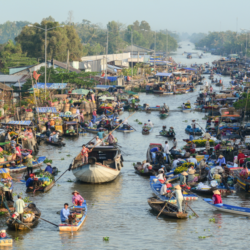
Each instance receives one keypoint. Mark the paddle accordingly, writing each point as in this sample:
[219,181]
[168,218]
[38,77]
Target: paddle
[132,127]
[192,210]
[47,221]
[164,206]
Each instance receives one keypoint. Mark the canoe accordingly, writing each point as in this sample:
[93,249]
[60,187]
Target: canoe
[14,225]
[223,191]
[149,173]
[162,116]
[156,188]
[58,144]
[146,130]
[125,130]
[41,189]
[229,209]
[22,168]
[170,210]
[95,130]
[71,227]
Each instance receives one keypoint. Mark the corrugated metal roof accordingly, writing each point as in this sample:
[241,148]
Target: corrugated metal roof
[28,123]
[10,78]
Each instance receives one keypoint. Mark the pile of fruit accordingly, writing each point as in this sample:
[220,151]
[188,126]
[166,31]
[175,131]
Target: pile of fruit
[183,167]
[202,143]
[46,178]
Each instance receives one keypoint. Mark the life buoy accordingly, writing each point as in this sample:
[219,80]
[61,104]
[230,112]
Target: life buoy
[92,160]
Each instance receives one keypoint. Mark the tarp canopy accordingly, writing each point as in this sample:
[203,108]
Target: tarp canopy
[46,110]
[104,87]
[41,85]
[190,69]
[112,78]
[22,123]
[80,91]
[68,116]
[163,74]
[71,123]
[106,98]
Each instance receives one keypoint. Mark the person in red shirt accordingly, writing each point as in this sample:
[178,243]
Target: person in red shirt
[85,154]
[217,197]
[241,158]
[217,147]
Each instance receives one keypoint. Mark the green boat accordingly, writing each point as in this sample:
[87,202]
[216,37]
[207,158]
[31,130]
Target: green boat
[164,115]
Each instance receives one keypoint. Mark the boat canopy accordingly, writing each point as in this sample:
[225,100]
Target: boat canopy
[80,91]
[71,123]
[68,115]
[19,123]
[163,74]
[46,110]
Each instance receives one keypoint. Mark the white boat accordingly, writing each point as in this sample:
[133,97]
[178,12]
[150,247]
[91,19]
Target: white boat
[104,165]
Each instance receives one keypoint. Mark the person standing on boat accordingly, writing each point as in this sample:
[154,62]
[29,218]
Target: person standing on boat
[221,160]
[100,133]
[19,205]
[30,164]
[150,123]
[49,168]
[217,197]
[208,146]
[183,179]
[84,154]
[77,199]
[111,139]
[160,176]
[166,148]
[64,214]
[174,144]
[94,116]
[191,138]
[244,172]
[179,197]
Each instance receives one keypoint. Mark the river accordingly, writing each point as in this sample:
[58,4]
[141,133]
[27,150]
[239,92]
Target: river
[119,209]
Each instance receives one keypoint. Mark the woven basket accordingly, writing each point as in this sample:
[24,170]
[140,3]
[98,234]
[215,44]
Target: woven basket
[30,219]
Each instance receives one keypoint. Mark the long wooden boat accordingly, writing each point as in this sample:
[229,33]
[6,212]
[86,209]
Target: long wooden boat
[125,130]
[229,209]
[170,210]
[71,227]
[156,188]
[186,110]
[146,130]
[166,134]
[95,130]
[57,144]
[138,170]
[104,165]
[22,168]
[41,189]
[223,191]
[14,225]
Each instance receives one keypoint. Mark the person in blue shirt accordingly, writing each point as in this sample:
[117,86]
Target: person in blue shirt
[49,168]
[154,149]
[100,133]
[221,160]
[29,182]
[191,137]
[65,214]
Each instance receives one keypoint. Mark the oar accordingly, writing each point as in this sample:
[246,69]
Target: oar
[47,221]
[192,210]
[164,207]
[64,172]
[132,127]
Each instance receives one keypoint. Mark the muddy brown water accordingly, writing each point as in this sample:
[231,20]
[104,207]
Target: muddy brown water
[119,210]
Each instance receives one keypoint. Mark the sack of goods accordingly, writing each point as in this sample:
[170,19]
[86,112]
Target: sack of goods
[28,217]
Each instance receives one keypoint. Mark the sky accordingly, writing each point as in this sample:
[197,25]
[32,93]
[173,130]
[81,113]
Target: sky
[180,16]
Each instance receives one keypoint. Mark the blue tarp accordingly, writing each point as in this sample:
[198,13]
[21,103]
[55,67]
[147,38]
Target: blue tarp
[112,78]
[26,123]
[163,74]
[3,171]
[41,85]
[46,110]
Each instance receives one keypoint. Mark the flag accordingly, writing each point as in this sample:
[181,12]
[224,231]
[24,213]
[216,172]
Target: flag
[35,75]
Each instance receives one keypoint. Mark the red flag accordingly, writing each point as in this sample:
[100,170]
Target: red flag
[35,75]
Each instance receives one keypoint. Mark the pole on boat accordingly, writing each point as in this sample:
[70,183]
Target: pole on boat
[164,206]
[192,210]
[68,169]
[47,221]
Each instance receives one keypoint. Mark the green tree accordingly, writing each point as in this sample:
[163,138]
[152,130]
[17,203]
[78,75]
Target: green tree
[59,41]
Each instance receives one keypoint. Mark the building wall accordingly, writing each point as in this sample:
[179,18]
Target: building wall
[110,57]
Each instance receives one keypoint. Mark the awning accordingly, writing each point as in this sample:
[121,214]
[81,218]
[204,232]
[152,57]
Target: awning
[41,85]
[104,87]
[46,110]
[80,91]
[163,74]
[106,98]
[68,116]
[71,123]
[22,123]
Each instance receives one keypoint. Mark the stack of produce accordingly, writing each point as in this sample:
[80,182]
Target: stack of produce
[46,178]
[202,143]
[183,167]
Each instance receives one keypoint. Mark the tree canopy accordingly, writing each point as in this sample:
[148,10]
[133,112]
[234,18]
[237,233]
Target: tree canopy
[59,41]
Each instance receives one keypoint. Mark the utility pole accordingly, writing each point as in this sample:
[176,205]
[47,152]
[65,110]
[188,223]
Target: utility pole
[107,46]
[167,51]
[154,51]
[45,60]
[68,61]
[132,56]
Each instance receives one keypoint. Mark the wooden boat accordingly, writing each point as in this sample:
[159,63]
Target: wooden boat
[74,227]
[170,210]
[243,183]
[146,129]
[41,189]
[105,163]
[148,111]
[229,209]
[218,84]
[22,168]
[156,188]
[184,110]
[223,191]
[14,225]
[58,144]
[138,170]
[6,242]
[95,130]
[163,116]
[128,129]
[166,134]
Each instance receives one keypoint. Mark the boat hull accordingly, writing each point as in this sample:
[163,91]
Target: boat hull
[95,173]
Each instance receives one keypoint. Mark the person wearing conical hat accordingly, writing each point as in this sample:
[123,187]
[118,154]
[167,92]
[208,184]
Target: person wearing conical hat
[217,197]
[77,199]
[179,197]
[191,176]
[183,178]
[221,160]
